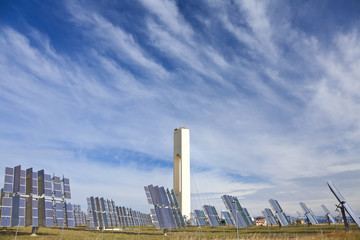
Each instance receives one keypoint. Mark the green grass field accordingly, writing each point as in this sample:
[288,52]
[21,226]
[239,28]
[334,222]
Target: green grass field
[318,232]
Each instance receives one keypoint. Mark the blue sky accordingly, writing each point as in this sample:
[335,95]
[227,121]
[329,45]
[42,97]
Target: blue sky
[269,90]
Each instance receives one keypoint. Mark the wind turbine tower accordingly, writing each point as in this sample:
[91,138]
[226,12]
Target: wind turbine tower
[182,169]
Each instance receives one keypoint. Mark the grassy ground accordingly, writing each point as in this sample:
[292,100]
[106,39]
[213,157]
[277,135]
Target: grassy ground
[301,232]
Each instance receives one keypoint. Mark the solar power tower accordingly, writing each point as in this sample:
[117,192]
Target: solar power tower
[279,212]
[103,213]
[344,206]
[166,213]
[240,216]
[269,217]
[31,198]
[308,214]
[212,215]
[328,215]
[181,175]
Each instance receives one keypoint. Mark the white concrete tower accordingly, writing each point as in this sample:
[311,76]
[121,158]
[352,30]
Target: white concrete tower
[182,169]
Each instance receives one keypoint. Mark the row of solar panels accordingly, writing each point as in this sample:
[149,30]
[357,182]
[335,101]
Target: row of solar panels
[239,215]
[200,217]
[283,220]
[35,199]
[211,219]
[233,205]
[18,181]
[29,211]
[212,215]
[166,213]
[103,213]
[269,217]
[328,214]
[79,216]
[309,214]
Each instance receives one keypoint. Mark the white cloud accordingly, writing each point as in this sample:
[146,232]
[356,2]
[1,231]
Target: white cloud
[112,38]
[123,184]
[169,16]
[246,117]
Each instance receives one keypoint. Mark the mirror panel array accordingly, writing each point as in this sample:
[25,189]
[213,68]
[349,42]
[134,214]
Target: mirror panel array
[212,215]
[166,213]
[174,205]
[162,214]
[79,216]
[240,217]
[227,217]
[279,212]
[328,214]
[343,202]
[103,213]
[308,213]
[192,220]
[35,199]
[269,217]
[248,216]
[200,218]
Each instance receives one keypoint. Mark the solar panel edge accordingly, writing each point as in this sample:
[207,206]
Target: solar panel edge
[352,214]
[336,192]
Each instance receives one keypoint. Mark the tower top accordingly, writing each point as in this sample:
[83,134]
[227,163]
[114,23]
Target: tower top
[183,127]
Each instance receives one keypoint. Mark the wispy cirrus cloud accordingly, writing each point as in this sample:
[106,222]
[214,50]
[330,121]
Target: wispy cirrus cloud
[269,104]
